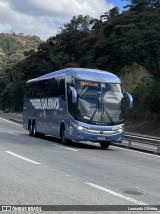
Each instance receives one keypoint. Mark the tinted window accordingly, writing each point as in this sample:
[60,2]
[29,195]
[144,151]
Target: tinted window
[46,88]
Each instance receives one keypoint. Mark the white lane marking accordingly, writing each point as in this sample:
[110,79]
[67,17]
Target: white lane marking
[3,130]
[75,150]
[10,122]
[12,133]
[120,195]
[7,131]
[138,152]
[117,194]
[21,157]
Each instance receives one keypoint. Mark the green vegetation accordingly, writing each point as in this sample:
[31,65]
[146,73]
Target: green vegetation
[13,47]
[126,43]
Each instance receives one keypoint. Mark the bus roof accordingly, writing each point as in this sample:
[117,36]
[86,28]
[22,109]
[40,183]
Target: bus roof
[83,74]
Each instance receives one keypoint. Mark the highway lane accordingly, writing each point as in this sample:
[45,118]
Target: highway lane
[74,174]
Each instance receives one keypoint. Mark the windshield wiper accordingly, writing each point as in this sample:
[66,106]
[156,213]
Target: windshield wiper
[108,115]
[94,113]
[106,111]
[96,109]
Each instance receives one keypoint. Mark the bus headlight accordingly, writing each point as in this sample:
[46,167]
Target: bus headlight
[80,128]
[119,130]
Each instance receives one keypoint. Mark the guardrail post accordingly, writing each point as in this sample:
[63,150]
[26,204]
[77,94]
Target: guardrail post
[129,143]
[158,149]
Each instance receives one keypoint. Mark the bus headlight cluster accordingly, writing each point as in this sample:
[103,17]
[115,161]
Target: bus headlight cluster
[77,126]
[80,128]
[120,130]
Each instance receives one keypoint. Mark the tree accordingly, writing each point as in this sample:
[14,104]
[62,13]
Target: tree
[111,14]
[66,47]
[140,5]
[80,23]
[128,38]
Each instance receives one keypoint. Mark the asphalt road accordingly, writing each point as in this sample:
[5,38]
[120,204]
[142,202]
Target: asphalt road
[41,171]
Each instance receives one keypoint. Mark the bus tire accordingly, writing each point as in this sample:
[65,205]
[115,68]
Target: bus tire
[34,133]
[104,145]
[30,129]
[64,141]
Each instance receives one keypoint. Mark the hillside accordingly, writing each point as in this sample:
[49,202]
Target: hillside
[13,47]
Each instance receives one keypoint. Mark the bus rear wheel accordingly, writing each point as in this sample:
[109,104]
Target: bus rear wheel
[30,129]
[34,129]
[104,145]
[34,132]
[64,141]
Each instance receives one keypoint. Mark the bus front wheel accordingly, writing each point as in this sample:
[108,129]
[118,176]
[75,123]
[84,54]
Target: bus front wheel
[104,145]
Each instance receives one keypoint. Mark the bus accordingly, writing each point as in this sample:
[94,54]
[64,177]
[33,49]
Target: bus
[76,104]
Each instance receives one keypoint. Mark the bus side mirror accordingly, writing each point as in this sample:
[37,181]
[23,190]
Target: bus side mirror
[74,94]
[130,99]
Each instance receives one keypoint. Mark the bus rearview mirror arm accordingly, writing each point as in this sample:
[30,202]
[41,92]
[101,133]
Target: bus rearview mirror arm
[130,99]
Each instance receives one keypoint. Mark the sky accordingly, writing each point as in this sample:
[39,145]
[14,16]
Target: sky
[44,17]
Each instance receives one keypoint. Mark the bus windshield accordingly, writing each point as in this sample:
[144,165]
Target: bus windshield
[99,103]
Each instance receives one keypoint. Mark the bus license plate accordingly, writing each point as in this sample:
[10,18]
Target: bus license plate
[101,138]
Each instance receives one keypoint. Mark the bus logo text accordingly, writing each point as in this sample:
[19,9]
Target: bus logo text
[45,103]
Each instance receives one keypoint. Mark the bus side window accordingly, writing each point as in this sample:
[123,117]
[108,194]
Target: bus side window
[51,87]
[62,88]
[31,93]
[39,90]
[27,90]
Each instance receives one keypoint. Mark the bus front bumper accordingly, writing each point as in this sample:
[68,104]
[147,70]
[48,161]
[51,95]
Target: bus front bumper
[82,134]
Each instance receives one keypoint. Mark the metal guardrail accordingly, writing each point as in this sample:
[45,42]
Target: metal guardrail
[16,117]
[130,137]
[143,139]
[12,116]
